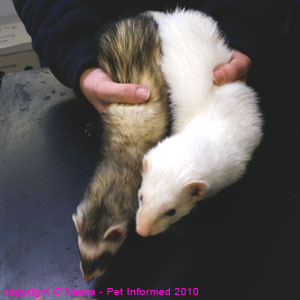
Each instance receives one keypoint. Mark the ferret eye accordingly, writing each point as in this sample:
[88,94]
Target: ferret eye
[171,212]
[141,198]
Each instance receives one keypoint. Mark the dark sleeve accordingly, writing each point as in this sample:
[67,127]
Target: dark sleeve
[249,26]
[62,34]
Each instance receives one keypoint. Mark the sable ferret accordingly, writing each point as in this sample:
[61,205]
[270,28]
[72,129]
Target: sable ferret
[215,129]
[129,51]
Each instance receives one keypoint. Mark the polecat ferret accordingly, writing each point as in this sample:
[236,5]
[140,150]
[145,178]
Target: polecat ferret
[215,128]
[129,51]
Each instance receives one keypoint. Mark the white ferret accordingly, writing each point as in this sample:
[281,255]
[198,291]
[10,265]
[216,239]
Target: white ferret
[215,129]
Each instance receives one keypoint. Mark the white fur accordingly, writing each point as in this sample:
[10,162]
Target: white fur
[92,251]
[215,130]
[192,48]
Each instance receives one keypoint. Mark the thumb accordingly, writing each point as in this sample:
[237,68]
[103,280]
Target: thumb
[110,91]
[236,69]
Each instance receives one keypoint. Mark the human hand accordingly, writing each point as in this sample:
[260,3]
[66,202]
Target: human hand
[101,91]
[236,69]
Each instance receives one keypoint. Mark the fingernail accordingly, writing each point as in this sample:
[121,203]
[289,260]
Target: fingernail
[143,93]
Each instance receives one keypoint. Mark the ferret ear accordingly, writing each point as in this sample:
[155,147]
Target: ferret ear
[146,164]
[115,233]
[196,189]
[77,222]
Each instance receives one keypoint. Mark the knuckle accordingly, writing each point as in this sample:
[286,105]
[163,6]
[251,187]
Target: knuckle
[126,92]
[232,71]
[248,62]
[104,90]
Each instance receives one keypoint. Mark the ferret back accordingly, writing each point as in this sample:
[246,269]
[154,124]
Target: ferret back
[192,47]
[129,52]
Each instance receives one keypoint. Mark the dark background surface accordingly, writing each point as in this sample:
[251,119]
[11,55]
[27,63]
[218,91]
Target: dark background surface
[241,244]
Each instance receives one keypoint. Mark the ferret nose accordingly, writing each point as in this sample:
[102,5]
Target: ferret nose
[142,232]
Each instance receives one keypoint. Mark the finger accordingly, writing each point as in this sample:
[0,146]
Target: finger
[100,106]
[110,91]
[236,69]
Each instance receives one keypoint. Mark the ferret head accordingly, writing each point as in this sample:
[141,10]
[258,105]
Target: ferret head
[164,198]
[98,240]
